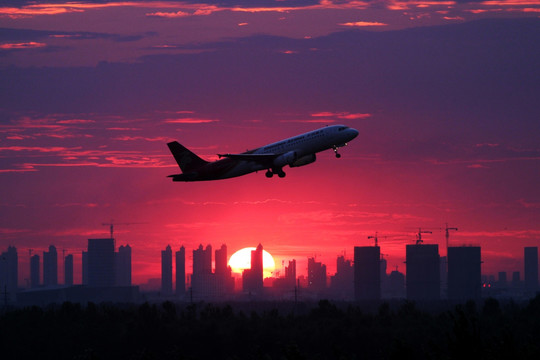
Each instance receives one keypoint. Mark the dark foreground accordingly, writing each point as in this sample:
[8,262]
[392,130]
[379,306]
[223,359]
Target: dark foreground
[485,330]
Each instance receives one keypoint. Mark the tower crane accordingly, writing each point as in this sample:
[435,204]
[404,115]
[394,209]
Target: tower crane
[419,235]
[376,239]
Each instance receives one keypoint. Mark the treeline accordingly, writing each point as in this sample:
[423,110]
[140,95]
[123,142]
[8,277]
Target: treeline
[486,330]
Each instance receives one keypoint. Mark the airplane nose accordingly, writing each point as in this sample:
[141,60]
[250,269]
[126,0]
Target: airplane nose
[354,133]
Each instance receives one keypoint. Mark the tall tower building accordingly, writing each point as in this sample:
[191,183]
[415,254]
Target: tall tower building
[367,273]
[9,271]
[252,279]
[166,271]
[464,273]
[50,267]
[316,275]
[531,269]
[203,285]
[123,266]
[221,261]
[101,267]
[34,271]
[423,272]
[68,270]
[290,273]
[202,260]
[181,271]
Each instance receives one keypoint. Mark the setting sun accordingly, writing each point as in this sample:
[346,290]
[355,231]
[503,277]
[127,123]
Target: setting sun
[241,260]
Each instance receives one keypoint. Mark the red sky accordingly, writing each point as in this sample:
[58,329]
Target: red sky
[443,93]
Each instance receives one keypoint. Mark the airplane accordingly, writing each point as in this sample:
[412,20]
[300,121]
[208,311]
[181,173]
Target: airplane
[296,151]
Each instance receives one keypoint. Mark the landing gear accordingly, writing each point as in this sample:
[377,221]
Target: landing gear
[271,173]
[335,148]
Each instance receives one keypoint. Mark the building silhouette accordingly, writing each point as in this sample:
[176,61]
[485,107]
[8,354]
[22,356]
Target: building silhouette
[180,257]
[423,272]
[342,282]
[68,270]
[203,285]
[50,267]
[123,266]
[223,273]
[252,279]
[396,285]
[464,273]
[9,272]
[530,273]
[316,276]
[166,271]
[290,273]
[100,262]
[367,273]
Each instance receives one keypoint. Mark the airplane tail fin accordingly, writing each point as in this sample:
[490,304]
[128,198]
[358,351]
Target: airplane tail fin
[186,159]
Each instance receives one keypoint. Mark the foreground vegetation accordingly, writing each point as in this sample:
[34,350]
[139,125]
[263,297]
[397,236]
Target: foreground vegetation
[487,330]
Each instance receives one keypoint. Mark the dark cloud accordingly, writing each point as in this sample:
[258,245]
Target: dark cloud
[23,35]
[472,82]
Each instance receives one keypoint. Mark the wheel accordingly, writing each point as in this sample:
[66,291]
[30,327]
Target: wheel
[338,155]
[269,174]
[281,174]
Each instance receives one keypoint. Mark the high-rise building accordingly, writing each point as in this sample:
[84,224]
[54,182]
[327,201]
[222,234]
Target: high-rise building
[423,272]
[166,271]
[68,270]
[50,267]
[202,260]
[367,273]
[9,272]
[342,283]
[101,267]
[396,285]
[34,271]
[181,271]
[464,273]
[316,275]
[223,274]
[221,260]
[252,279]
[531,269]
[290,273]
[123,266]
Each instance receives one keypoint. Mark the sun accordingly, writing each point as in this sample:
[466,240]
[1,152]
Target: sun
[241,260]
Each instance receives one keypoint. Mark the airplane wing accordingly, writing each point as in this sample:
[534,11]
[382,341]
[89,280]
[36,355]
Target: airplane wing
[260,158]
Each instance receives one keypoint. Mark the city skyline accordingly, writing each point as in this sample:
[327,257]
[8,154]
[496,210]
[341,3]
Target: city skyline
[443,94]
[112,267]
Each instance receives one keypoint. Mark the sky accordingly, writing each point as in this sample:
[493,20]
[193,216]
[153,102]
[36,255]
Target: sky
[444,95]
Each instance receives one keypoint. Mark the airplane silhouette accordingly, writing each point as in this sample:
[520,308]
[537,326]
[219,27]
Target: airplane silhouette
[296,151]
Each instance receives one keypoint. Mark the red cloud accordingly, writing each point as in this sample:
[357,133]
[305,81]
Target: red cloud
[363,23]
[27,45]
[189,121]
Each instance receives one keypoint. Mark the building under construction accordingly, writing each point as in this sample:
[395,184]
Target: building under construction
[423,272]
[464,273]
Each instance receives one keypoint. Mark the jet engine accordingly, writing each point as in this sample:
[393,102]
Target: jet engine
[304,160]
[285,159]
